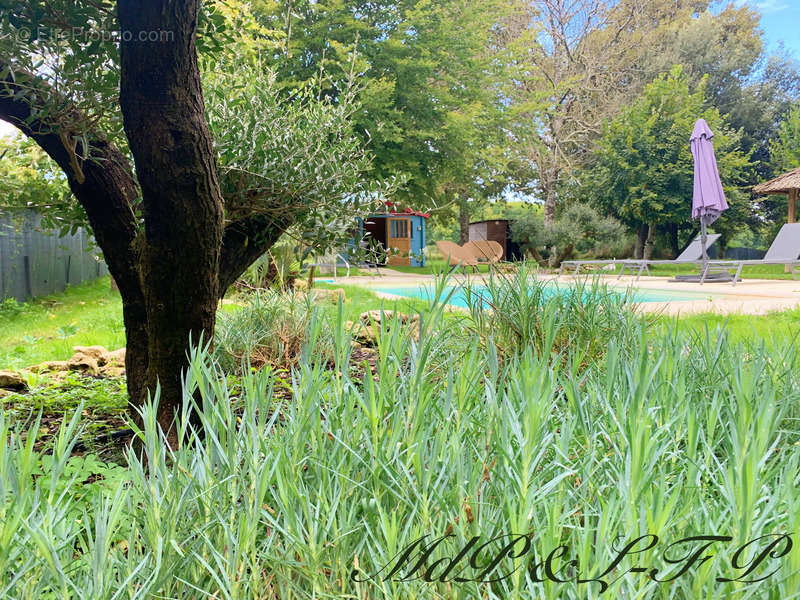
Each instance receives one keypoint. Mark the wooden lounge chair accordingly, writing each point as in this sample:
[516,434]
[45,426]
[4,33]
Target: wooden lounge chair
[457,256]
[785,250]
[485,250]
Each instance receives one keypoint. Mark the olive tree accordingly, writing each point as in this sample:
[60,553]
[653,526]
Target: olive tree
[186,163]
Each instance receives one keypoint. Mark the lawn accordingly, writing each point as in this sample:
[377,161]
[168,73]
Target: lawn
[91,314]
[435,265]
[772,329]
[47,328]
[749,272]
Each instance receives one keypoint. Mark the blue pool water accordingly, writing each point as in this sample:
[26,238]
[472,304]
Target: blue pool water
[458,298]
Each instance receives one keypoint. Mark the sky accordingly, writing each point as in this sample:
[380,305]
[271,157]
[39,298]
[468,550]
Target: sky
[780,20]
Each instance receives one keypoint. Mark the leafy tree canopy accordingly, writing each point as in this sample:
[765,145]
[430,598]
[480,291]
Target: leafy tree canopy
[294,154]
[642,170]
[786,149]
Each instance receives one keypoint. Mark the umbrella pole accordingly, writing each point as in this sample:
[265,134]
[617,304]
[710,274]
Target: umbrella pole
[703,240]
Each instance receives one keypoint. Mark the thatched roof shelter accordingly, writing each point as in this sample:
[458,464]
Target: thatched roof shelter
[788,183]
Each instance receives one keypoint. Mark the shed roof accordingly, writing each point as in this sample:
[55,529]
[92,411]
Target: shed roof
[490,221]
[782,184]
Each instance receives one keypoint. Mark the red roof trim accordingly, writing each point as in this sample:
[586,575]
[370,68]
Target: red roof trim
[393,210]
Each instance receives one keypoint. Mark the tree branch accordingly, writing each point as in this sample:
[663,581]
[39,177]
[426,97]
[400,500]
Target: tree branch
[104,184]
[245,241]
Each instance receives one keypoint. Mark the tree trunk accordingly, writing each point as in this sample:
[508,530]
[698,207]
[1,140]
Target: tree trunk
[164,119]
[537,256]
[463,223]
[641,239]
[649,240]
[549,185]
[674,244]
[565,254]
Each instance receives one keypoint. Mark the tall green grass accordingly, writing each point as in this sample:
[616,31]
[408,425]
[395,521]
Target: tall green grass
[268,329]
[519,311]
[673,435]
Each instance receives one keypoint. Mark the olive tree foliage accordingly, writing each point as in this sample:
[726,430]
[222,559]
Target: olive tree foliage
[277,153]
[298,155]
[579,229]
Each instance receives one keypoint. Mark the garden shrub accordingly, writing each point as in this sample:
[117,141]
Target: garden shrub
[518,311]
[578,229]
[269,329]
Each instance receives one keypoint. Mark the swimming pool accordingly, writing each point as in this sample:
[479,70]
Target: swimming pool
[425,292]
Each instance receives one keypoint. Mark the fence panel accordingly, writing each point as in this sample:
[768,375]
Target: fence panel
[36,262]
[744,253]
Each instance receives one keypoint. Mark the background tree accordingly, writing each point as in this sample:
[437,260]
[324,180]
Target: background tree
[642,169]
[30,180]
[752,89]
[577,62]
[578,228]
[428,76]
[786,148]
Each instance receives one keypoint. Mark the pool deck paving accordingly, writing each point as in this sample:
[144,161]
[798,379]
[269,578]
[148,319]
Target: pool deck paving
[749,296]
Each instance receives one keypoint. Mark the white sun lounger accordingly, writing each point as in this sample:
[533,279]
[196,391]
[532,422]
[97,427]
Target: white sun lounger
[693,254]
[785,250]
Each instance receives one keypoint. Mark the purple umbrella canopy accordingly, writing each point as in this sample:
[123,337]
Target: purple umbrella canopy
[708,200]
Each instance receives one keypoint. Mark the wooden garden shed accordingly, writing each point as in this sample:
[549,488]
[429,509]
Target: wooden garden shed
[498,230]
[403,231]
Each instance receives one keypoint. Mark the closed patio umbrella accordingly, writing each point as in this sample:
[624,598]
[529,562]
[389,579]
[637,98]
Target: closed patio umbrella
[708,199]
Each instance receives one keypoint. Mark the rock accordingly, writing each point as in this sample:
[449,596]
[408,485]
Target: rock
[377,316]
[50,365]
[99,353]
[112,371]
[84,363]
[11,380]
[367,336]
[117,357]
[329,295]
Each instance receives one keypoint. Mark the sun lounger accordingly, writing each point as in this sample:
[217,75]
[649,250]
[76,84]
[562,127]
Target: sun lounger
[457,255]
[785,250]
[485,250]
[693,254]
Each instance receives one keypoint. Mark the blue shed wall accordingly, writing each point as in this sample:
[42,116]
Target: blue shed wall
[417,241]
[418,236]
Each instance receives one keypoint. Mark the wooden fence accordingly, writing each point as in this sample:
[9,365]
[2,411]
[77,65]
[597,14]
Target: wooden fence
[36,262]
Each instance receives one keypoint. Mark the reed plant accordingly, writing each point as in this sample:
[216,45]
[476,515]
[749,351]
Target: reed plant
[674,435]
[520,311]
[270,328]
